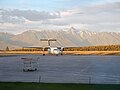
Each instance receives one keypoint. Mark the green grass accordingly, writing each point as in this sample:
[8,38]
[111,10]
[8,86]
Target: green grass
[55,86]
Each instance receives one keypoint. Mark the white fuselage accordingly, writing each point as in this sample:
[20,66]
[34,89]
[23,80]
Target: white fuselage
[54,50]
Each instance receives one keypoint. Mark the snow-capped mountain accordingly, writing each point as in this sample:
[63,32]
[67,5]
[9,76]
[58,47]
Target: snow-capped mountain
[68,37]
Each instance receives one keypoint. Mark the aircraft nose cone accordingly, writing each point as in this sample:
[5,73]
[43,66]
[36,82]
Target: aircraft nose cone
[56,52]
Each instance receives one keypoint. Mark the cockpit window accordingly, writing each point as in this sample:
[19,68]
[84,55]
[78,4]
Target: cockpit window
[55,49]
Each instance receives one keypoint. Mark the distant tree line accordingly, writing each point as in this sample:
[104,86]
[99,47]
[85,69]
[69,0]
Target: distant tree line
[87,48]
[94,48]
[30,49]
[7,48]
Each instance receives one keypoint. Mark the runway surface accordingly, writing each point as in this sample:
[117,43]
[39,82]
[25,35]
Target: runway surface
[63,69]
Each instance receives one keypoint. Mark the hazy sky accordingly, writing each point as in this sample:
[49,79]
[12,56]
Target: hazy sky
[94,15]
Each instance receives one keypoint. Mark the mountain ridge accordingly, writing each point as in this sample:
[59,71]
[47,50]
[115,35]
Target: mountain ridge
[68,37]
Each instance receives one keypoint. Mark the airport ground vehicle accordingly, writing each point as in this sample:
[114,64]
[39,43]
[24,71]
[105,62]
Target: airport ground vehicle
[30,64]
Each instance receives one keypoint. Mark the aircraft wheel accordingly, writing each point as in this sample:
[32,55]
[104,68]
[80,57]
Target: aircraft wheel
[23,70]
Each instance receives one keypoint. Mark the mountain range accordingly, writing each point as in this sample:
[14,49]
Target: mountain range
[66,38]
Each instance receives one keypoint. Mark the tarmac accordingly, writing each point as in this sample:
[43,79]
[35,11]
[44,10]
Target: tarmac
[62,69]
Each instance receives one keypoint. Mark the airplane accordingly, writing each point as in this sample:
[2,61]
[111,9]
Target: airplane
[52,50]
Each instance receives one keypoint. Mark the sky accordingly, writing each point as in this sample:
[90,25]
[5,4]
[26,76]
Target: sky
[17,16]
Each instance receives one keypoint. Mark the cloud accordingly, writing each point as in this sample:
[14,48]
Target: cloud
[98,17]
[93,16]
[107,7]
[98,13]
[31,15]
[11,19]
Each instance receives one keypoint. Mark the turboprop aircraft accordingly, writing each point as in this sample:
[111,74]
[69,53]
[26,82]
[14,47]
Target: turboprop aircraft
[52,50]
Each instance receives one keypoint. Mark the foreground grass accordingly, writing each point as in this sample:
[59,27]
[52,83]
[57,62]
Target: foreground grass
[55,86]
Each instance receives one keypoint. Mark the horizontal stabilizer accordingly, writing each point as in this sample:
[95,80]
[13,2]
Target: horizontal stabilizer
[48,40]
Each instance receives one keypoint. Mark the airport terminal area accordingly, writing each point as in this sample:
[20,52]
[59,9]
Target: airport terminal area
[94,69]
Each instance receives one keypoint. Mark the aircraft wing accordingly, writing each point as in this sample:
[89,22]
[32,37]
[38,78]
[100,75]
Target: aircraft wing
[33,47]
[61,48]
[37,47]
